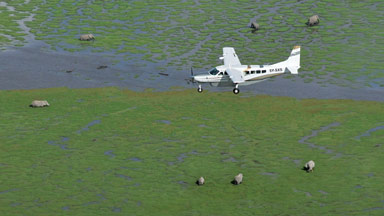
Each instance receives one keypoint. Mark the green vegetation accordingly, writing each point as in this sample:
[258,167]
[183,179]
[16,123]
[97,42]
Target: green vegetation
[347,43]
[105,151]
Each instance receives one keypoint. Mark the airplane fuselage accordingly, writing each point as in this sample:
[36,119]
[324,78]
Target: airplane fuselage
[249,73]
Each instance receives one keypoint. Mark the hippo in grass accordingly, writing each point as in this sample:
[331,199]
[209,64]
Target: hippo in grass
[200,181]
[238,179]
[255,26]
[313,20]
[39,103]
[309,166]
[87,37]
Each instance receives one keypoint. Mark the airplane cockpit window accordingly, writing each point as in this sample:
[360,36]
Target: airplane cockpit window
[214,71]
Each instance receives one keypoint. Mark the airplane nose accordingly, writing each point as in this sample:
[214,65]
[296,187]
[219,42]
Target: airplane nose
[198,79]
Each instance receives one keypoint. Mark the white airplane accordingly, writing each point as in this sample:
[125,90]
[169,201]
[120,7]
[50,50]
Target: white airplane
[233,73]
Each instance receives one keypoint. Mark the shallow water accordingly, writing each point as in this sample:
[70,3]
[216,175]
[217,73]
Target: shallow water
[53,74]
[165,121]
[94,122]
[315,133]
[136,159]
[136,71]
[124,177]
[323,192]
[110,153]
[9,190]
[269,174]
[368,132]
[62,146]
[230,159]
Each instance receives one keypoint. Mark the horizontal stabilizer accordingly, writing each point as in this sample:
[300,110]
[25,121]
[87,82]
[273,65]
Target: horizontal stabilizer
[292,70]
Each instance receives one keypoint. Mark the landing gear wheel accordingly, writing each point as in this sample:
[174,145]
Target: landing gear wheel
[199,90]
[236,91]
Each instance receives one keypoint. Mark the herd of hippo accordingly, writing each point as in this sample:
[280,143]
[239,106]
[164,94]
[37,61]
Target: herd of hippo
[238,179]
[313,20]
[309,166]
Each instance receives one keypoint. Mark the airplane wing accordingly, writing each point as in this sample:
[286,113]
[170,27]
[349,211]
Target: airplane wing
[230,57]
[235,75]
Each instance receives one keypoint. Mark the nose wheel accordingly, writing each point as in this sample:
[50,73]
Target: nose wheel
[236,90]
[199,89]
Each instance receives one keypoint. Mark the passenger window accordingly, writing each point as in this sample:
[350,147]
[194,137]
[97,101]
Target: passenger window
[257,71]
[221,73]
[225,73]
[252,72]
[246,72]
[264,71]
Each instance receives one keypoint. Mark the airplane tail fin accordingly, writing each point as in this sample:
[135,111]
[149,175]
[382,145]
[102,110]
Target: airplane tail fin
[293,61]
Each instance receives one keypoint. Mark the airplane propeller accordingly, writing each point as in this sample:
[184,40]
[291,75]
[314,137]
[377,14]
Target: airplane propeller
[191,78]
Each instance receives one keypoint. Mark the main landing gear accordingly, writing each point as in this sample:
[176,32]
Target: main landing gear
[199,89]
[236,90]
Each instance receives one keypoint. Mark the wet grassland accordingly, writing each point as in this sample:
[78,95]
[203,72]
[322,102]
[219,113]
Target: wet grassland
[346,49]
[105,151]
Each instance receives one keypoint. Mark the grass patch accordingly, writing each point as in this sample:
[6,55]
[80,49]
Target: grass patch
[98,151]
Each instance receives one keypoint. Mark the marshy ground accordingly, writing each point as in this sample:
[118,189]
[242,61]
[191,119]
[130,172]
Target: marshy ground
[102,151]
[106,150]
[139,40]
